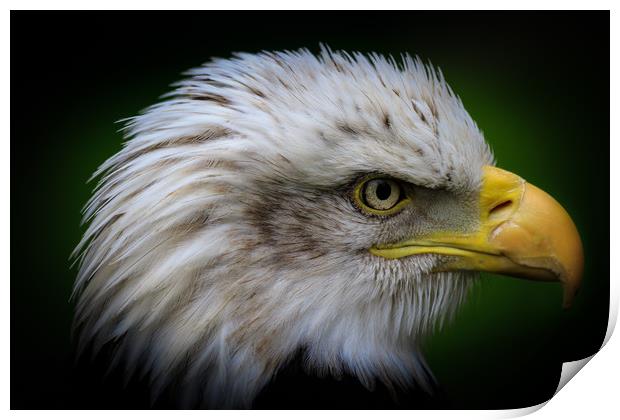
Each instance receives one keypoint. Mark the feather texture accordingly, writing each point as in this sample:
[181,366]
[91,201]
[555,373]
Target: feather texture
[222,240]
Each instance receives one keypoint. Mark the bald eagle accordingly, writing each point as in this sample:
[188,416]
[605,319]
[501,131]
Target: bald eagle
[338,205]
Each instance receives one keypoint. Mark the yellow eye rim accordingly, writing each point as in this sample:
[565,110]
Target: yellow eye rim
[359,202]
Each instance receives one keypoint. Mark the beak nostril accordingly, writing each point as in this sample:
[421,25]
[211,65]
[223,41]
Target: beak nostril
[500,209]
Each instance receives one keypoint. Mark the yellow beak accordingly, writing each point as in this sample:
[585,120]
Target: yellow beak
[523,232]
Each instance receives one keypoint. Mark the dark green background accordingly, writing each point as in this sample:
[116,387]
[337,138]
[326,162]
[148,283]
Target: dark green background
[536,83]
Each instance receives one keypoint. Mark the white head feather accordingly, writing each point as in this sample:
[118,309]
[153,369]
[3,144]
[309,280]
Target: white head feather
[222,240]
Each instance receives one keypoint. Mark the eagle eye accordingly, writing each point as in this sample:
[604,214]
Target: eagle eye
[380,196]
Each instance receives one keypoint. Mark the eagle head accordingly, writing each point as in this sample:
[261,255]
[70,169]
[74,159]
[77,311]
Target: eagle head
[337,205]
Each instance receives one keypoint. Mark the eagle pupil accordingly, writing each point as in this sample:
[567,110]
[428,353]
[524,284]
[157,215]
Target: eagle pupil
[384,190]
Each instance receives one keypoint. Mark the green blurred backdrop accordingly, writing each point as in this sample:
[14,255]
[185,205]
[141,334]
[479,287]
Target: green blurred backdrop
[536,83]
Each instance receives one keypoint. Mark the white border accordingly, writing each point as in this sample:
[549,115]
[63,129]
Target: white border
[311,5]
